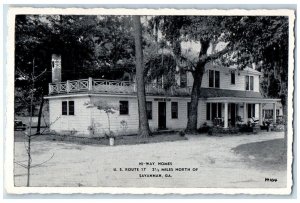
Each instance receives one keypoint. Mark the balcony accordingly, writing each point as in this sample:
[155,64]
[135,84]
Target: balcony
[101,86]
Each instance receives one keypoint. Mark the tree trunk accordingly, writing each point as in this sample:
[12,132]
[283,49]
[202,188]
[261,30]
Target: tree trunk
[144,130]
[197,75]
[38,129]
[193,110]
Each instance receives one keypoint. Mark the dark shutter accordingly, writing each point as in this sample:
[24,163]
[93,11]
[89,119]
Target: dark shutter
[232,77]
[247,82]
[64,108]
[174,110]
[251,82]
[217,79]
[149,109]
[124,108]
[211,78]
[71,107]
[208,111]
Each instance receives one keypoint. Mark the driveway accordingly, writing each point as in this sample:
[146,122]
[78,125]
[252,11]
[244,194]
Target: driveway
[200,161]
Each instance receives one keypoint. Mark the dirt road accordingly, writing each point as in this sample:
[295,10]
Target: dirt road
[200,161]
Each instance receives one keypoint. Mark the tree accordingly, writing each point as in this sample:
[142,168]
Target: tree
[204,30]
[144,130]
[223,40]
[107,108]
[29,135]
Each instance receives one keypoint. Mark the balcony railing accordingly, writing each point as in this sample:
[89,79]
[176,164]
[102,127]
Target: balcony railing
[112,86]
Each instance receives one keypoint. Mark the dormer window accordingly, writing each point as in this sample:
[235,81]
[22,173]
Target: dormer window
[249,82]
[214,78]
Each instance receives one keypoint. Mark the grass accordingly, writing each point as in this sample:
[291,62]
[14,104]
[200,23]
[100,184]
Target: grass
[120,140]
[271,154]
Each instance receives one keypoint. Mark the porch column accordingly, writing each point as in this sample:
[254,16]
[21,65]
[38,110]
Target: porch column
[274,113]
[90,84]
[260,114]
[226,115]
[245,113]
[68,86]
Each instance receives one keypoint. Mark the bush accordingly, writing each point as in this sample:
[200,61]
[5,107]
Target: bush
[246,128]
[204,128]
[182,133]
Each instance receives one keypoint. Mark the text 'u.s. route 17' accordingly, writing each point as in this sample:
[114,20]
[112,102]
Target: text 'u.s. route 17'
[157,169]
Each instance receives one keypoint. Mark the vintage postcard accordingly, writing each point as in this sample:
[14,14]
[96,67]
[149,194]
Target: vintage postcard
[142,101]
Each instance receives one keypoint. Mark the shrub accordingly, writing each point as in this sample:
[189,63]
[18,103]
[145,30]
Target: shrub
[204,128]
[182,133]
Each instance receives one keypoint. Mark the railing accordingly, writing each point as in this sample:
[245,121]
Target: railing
[113,86]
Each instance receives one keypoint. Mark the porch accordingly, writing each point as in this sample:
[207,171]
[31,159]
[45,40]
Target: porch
[231,111]
[92,85]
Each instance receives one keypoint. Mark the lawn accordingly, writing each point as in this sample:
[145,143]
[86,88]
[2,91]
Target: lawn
[265,154]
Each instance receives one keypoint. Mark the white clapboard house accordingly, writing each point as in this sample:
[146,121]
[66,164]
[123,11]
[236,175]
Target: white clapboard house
[227,96]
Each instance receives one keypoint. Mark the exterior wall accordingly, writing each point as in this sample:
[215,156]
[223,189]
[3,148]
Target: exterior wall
[69,124]
[99,118]
[78,124]
[225,79]
[181,121]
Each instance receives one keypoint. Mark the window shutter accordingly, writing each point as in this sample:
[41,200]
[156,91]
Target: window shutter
[64,108]
[71,107]
[217,79]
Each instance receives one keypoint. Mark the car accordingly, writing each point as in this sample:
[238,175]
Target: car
[19,125]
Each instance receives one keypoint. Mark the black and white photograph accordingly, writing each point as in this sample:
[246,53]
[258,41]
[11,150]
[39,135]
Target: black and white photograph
[157,101]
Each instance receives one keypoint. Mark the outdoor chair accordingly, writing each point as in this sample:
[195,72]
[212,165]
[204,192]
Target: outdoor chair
[239,121]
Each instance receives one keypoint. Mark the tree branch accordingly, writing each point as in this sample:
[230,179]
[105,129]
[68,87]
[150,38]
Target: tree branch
[216,55]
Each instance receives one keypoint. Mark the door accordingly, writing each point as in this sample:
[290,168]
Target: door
[232,114]
[162,115]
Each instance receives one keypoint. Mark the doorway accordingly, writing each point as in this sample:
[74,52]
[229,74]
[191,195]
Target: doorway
[162,115]
[232,114]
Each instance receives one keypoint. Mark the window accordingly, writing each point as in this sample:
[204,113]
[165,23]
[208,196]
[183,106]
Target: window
[211,78]
[124,108]
[268,113]
[232,77]
[249,82]
[149,109]
[214,78]
[217,79]
[64,108]
[251,110]
[71,107]
[174,110]
[67,109]
[213,110]
[188,108]
[183,79]
[277,112]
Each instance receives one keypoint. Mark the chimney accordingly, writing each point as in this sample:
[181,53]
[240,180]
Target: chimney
[56,68]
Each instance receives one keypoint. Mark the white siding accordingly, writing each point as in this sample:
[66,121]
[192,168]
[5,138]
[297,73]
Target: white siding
[225,79]
[181,121]
[66,124]
[77,125]
[100,119]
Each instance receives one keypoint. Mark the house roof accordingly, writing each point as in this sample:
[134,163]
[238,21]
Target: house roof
[213,92]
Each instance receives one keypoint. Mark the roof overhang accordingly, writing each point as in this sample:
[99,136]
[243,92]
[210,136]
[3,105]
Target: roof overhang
[241,100]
